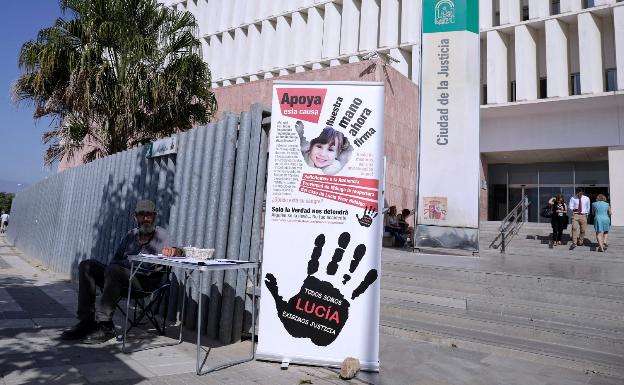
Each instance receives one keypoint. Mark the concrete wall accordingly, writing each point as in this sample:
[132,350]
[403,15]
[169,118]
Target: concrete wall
[400,120]
[567,123]
[616,181]
[312,34]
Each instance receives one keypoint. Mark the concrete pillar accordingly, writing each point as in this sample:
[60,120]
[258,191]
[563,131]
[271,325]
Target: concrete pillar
[389,23]
[240,54]
[571,5]
[618,27]
[590,53]
[254,62]
[405,61]
[252,8]
[410,21]
[485,14]
[331,30]
[350,28]
[214,58]
[211,17]
[265,9]
[225,15]
[538,9]
[497,76]
[238,12]
[514,11]
[598,3]
[313,35]
[369,25]
[227,50]
[205,48]
[268,36]
[504,8]
[283,47]
[296,51]
[616,184]
[415,73]
[526,63]
[557,68]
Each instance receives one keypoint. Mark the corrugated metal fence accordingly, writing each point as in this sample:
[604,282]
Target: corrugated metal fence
[210,194]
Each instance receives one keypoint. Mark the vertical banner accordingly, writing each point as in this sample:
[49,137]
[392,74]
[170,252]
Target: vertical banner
[448,172]
[322,231]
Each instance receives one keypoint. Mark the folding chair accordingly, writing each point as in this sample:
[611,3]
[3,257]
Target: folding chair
[146,304]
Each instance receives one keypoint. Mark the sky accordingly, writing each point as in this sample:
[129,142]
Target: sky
[21,148]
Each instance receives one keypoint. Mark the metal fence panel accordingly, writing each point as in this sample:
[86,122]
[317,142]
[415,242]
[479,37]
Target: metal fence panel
[209,194]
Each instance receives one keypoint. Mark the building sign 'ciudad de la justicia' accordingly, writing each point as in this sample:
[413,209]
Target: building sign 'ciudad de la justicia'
[448,188]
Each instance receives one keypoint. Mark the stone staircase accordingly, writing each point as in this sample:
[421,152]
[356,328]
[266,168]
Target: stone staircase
[535,302]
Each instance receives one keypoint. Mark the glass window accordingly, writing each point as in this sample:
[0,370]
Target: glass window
[522,174]
[611,79]
[554,7]
[575,83]
[512,91]
[590,173]
[525,13]
[556,173]
[497,174]
[543,90]
[484,93]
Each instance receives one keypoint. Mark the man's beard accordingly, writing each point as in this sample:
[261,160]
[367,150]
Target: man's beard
[145,228]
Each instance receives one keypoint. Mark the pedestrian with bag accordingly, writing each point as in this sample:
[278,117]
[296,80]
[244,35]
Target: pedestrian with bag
[558,218]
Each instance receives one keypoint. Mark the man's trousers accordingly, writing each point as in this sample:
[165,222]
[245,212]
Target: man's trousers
[579,225]
[113,281]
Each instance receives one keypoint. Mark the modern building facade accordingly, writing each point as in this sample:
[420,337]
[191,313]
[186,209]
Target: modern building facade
[552,88]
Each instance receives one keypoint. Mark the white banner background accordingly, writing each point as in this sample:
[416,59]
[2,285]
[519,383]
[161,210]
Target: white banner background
[332,205]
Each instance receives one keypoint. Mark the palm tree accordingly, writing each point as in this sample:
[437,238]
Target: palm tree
[113,74]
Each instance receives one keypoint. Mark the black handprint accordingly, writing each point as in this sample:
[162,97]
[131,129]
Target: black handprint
[319,311]
[367,219]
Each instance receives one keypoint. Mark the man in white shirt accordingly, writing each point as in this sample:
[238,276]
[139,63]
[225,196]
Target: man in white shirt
[579,204]
[4,222]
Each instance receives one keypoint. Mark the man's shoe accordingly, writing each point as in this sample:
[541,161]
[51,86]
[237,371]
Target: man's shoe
[104,332]
[572,246]
[79,331]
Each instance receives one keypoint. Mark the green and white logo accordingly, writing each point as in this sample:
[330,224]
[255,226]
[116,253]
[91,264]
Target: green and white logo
[445,12]
[450,15]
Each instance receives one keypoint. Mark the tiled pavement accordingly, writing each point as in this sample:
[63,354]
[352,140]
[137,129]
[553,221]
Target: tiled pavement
[36,305]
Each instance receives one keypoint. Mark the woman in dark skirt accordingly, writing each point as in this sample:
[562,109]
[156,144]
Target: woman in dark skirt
[559,218]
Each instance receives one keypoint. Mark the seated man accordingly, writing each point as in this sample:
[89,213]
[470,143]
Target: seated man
[406,229]
[96,323]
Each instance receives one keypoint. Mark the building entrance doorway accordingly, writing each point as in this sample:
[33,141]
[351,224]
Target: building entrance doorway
[516,192]
[540,182]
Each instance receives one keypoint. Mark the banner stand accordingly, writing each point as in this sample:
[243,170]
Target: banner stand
[323,225]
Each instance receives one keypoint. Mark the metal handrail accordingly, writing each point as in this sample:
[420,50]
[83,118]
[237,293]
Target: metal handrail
[511,224]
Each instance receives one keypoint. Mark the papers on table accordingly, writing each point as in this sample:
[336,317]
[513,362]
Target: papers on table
[193,261]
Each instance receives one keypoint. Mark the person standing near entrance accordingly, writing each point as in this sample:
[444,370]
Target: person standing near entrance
[579,204]
[559,218]
[602,221]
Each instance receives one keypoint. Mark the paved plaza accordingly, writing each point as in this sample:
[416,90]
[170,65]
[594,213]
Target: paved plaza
[36,305]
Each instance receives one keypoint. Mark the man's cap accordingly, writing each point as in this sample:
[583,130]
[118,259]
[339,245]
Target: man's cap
[145,206]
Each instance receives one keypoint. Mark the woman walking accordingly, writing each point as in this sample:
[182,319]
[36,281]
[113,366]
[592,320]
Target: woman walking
[559,218]
[602,221]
